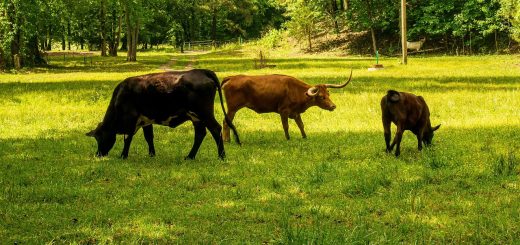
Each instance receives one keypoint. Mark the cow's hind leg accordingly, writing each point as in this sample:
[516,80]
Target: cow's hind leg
[397,140]
[200,133]
[148,135]
[299,122]
[215,129]
[285,124]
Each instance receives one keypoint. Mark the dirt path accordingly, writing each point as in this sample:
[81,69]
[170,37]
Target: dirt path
[190,65]
[167,66]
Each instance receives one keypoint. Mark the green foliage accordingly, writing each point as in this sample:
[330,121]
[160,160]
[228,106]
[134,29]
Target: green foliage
[510,11]
[303,20]
[272,39]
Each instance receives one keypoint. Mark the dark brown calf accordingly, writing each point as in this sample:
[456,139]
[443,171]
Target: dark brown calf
[408,112]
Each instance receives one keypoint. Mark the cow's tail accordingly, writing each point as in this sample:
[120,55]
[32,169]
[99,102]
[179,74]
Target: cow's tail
[393,96]
[225,80]
[214,77]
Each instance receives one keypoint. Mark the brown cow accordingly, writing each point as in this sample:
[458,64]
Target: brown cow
[281,94]
[408,112]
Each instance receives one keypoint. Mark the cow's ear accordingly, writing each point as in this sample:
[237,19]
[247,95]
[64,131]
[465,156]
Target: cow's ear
[436,127]
[91,133]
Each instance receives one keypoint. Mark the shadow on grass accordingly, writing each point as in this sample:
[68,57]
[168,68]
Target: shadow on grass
[360,84]
[55,183]
[103,64]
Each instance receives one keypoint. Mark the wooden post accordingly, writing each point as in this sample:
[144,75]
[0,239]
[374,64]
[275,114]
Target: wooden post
[17,62]
[403,32]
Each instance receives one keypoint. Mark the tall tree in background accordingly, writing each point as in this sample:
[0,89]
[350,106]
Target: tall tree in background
[303,20]
[132,9]
[373,16]
[510,11]
[19,31]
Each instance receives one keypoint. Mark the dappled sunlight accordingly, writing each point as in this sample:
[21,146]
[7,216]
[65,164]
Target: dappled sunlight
[339,179]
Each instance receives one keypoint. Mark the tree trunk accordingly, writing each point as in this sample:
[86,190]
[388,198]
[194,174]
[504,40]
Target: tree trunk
[374,41]
[132,26]
[34,52]
[69,34]
[63,36]
[214,26]
[372,32]
[103,34]
[403,32]
[115,43]
[17,36]
[334,15]
[309,38]
[345,4]
[496,42]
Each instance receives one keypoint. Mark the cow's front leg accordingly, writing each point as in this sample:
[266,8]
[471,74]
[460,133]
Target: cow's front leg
[126,148]
[148,135]
[299,122]
[200,133]
[285,124]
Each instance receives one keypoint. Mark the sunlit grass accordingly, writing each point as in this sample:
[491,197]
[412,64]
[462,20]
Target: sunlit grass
[336,187]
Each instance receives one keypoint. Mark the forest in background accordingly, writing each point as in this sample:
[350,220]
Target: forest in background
[28,27]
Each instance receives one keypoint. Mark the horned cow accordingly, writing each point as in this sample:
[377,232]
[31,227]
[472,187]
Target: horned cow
[280,94]
[170,99]
[408,112]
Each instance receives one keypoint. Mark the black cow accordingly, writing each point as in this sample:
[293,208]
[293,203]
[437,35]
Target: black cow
[408,112]
[170,99]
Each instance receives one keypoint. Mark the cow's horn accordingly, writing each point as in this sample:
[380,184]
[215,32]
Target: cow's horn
[313,91]
[340,85]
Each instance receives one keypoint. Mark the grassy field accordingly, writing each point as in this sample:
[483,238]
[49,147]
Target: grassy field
[336,186]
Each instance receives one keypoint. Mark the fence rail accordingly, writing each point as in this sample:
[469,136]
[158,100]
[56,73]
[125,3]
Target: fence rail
[48,54]
[208,44]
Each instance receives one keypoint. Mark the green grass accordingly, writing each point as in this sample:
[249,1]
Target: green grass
[337,186]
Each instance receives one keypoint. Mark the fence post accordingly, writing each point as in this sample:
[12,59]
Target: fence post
[17,62]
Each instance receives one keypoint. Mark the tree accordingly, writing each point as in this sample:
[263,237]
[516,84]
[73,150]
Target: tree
[19,31]
[510,11]
[302,20]
[133,10]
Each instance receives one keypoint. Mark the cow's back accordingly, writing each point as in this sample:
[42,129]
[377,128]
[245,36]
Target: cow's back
[408,107]
[262,93]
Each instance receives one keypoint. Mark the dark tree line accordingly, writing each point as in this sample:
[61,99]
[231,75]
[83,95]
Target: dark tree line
[461,26]
[28,27]
[108,26]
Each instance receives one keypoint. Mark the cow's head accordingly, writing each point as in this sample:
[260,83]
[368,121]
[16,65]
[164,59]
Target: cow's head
[105,139]
[428,134]
[320,97]
[320,94]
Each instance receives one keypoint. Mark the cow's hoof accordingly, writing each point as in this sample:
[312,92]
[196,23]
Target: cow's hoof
[189,158]
[152,154]
[124,156]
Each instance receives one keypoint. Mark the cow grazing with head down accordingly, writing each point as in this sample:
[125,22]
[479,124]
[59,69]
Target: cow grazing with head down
[281,94]
[408,112]
[170,99]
